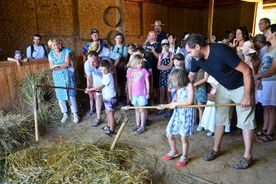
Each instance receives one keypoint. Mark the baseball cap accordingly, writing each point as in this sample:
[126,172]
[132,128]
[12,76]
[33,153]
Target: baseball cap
[94,30]
[165,42]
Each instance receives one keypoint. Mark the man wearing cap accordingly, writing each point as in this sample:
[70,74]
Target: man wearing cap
[36,50]
[95,37]
[235,85]
[161,35]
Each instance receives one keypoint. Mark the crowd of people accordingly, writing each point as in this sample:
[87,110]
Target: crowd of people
[238,69]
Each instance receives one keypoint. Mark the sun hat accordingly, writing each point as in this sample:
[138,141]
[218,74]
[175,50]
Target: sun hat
[94,46]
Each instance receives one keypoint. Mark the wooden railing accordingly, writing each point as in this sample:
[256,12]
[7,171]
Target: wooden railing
[11,73]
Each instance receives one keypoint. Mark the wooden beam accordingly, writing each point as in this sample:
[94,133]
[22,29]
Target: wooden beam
[254,19]
[210,18]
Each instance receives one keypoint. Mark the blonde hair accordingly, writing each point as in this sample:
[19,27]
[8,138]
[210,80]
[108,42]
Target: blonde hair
[135,60]
[179,78]
[54,41]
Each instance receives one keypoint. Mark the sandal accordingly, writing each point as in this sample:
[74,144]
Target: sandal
[265,138]
[135,128]
[243,163]
[140,130]
[170,155]
[182,161]
[96,123]
[261,132]
[211,155]
[105,128]
[109,132]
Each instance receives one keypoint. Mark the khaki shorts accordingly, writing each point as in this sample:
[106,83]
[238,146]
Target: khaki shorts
[245,116]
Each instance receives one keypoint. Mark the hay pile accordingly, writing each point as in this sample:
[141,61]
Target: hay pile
[74,162]
[48,112]
[15,132]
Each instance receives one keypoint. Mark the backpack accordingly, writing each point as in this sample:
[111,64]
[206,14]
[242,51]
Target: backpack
[113,49]
[44,47]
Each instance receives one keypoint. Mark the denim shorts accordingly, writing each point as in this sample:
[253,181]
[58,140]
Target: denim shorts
[110,104]
[139,100]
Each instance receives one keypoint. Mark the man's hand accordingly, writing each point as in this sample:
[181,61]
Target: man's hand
[245,102]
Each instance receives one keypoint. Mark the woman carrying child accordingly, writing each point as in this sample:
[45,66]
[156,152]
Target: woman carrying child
[182,120]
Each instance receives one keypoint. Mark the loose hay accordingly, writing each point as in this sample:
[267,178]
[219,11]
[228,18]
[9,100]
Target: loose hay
[15,132]
[48,113]
[75,162]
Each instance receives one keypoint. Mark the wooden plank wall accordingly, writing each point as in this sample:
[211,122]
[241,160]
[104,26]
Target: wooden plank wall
[10,73]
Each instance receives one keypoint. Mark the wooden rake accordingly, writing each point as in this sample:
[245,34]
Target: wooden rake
[124,115]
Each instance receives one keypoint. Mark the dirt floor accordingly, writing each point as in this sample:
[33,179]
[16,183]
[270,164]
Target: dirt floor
[154,144]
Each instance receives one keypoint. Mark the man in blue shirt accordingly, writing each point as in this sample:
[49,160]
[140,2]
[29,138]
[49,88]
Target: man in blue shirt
[235,85]
[95,37]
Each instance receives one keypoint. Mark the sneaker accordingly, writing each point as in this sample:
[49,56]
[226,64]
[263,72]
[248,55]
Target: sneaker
[76,118]
[170,155]
[64,118]
[140,130]
[199,128]
[210,134]
[182,161]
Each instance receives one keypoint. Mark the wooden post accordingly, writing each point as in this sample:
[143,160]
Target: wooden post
[35,106]
[210,18]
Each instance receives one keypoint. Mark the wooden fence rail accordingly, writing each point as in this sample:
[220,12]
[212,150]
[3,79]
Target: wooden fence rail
[11,73]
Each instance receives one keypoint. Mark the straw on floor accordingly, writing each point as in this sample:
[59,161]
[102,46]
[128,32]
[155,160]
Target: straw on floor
[75,162]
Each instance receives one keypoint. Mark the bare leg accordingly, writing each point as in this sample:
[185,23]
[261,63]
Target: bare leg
[272,119]
[218,138]
[143,117]
[91,102]
[266,117]
[138,118]
[185,145]
[172,142]
[111,120]
[98,101]
[248,140]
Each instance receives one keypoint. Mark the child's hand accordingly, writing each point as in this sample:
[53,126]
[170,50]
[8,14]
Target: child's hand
[172,105]
[173,90]
[148,96]
[174,99]
[161,106]
[152,48]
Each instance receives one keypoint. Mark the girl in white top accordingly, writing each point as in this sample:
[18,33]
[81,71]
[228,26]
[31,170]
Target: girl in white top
[208,118]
